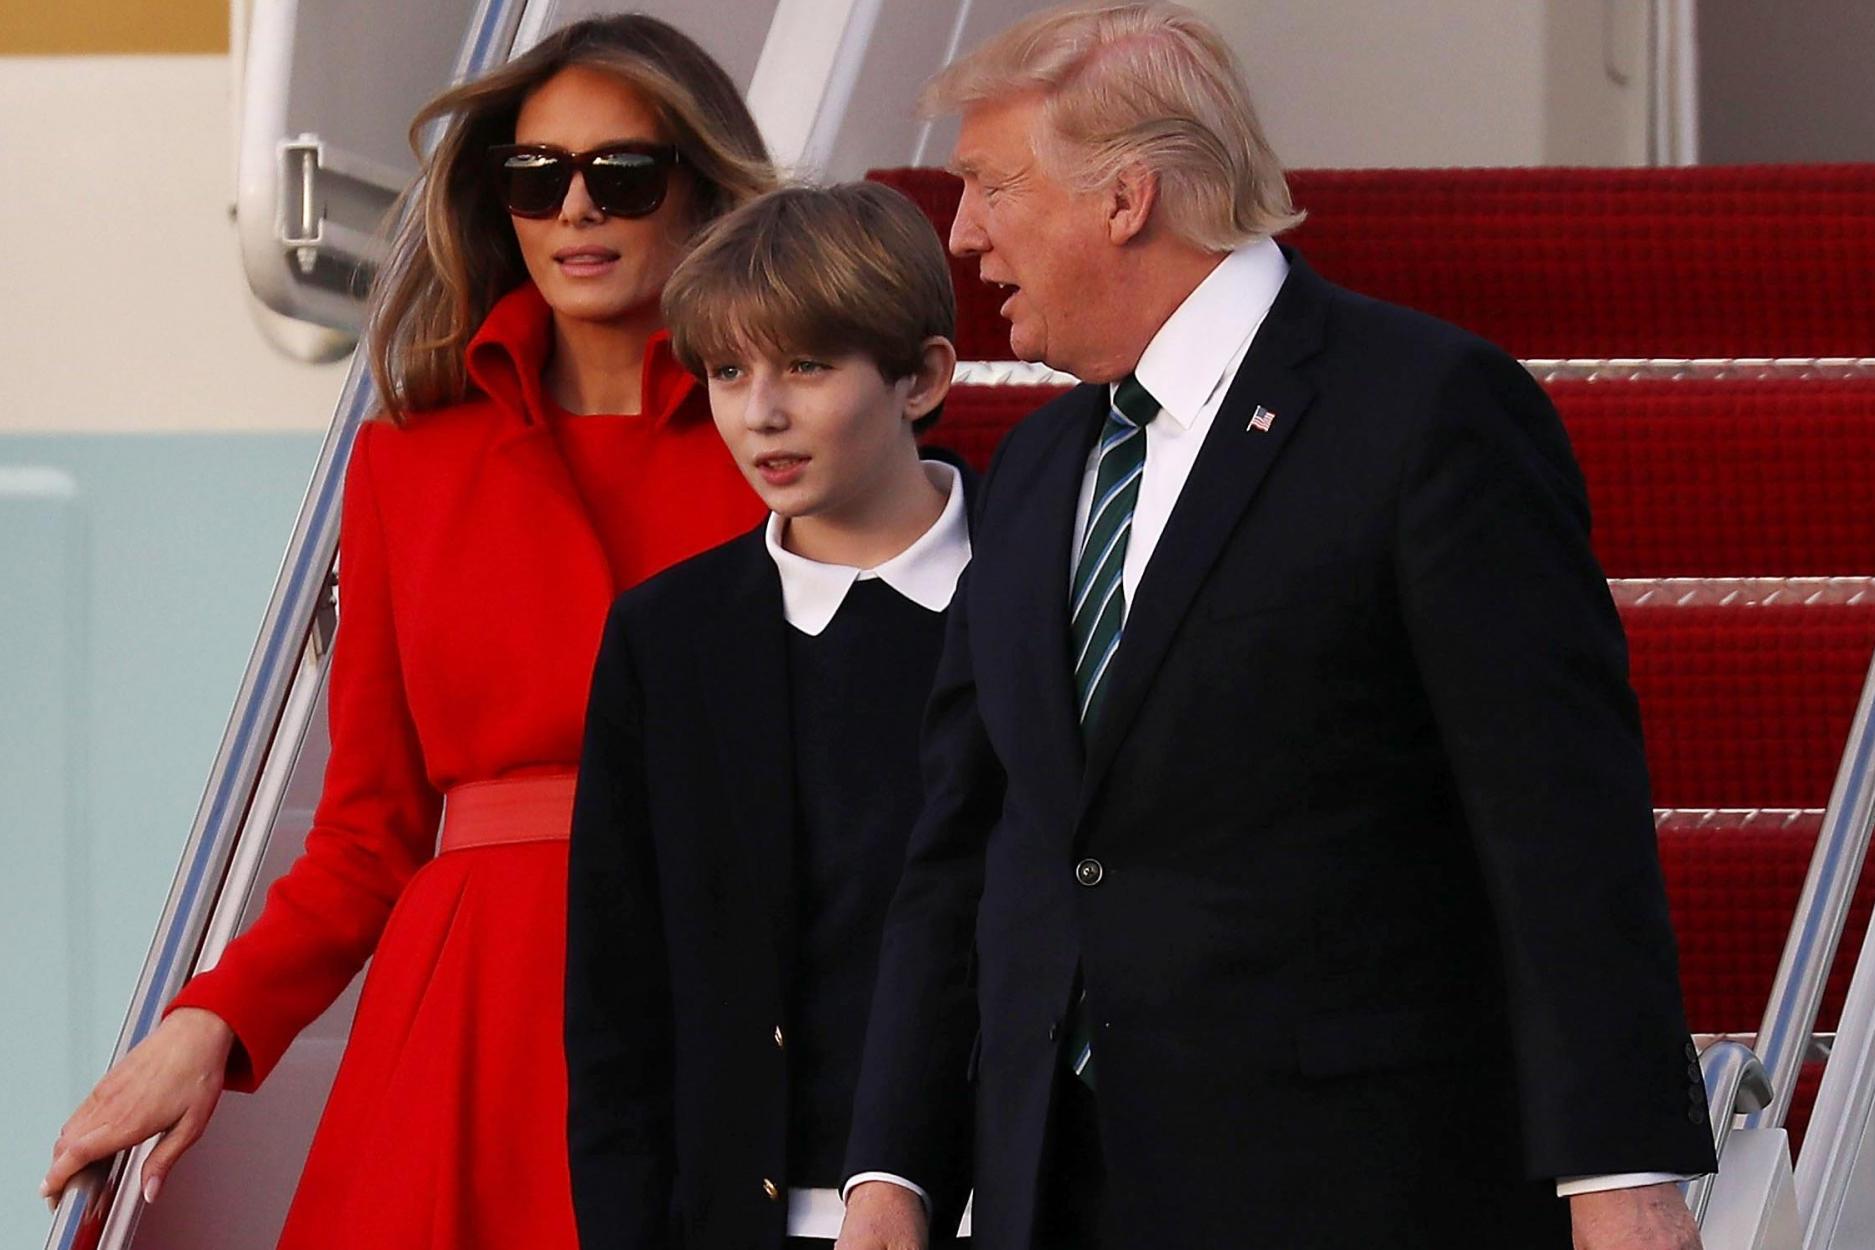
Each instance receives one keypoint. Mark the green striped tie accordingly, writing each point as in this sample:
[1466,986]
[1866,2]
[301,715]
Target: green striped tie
[1098,603]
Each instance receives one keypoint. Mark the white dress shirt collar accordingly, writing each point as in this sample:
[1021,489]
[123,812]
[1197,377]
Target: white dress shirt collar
[1195,351]
[925,572]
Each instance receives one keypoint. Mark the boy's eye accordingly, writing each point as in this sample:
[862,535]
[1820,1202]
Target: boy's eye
[724,373]
[810,366]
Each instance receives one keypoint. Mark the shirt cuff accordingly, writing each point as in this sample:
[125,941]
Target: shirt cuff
[890,1179]
[1570,1186]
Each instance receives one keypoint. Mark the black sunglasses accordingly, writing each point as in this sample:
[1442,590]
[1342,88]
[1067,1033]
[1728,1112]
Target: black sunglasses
[624,179]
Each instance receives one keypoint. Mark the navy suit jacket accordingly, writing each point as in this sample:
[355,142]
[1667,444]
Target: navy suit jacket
[682,914]
[1379,946]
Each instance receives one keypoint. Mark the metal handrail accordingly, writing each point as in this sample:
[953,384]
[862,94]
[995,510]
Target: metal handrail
[1830,1176]
[271,671]
[1821,1047]
[1822,910]
[1735,1085]
[245,744]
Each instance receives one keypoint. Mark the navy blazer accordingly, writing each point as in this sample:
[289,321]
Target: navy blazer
[681,913]
[1378,946]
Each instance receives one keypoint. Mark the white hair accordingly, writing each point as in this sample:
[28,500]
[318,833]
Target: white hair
[1146,84]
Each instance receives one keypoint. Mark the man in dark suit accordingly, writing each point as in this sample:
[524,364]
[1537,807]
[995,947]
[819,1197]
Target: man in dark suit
[1286,876]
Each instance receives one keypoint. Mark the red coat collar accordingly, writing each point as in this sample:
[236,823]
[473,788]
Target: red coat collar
[508,355]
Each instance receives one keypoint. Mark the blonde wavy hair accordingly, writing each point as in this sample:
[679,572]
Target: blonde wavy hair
[455,254]
[1144,83]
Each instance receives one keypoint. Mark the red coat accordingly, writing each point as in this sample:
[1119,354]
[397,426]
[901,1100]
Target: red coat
[474,583]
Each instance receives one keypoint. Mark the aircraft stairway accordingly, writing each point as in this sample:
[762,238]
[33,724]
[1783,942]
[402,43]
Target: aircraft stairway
[1729,476]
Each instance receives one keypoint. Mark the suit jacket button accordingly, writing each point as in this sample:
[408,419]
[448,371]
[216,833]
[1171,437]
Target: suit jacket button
[1054,1030]
[1692,1053]
[1693,1073]
[780,1041]
[1089,872]
[771,1189]
[1695,1116]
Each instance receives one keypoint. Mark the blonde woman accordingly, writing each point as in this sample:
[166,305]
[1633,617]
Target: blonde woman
[542,451]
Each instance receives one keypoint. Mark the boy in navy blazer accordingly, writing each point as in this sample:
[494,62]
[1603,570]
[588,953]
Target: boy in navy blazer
[750,773]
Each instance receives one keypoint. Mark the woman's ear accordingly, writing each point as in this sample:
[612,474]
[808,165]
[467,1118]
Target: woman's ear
[937,365]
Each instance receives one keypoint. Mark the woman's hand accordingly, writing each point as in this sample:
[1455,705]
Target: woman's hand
[168,1083]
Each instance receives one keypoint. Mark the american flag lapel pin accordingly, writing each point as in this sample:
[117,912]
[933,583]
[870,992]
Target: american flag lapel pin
[1261,420]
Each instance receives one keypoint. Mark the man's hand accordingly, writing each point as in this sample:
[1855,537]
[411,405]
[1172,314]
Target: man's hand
[883,1216]
[1647,1217]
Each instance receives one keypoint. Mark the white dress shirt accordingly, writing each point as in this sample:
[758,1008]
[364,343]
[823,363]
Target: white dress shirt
[811,594]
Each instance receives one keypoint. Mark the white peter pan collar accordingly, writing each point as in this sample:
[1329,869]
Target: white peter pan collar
[925,572]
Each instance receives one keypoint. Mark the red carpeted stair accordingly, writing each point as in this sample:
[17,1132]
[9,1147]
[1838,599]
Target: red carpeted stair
[1740,261]
[1747,688]
[1734,478]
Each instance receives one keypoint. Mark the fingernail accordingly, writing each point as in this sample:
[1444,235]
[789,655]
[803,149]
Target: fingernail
[152,1185]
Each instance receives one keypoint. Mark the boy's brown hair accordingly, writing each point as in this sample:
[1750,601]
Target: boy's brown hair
[854,267]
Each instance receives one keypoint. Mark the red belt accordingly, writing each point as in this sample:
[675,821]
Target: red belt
[512,809]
